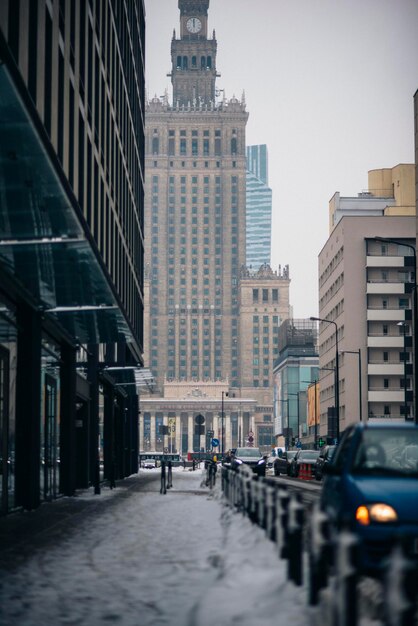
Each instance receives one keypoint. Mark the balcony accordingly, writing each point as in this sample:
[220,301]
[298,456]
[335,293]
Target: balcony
[385,261]
[385,341]
[386,395]
[385,315]
[386,368]
[393,287]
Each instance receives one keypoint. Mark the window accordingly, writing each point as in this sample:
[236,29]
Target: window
[255,295]
[265,295]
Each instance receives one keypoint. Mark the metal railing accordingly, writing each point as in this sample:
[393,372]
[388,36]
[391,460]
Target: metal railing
[325,562]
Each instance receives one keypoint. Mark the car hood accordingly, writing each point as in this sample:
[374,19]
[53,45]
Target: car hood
[400,493]
[249,459]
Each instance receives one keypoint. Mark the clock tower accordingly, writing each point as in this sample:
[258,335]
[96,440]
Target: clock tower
[193,57]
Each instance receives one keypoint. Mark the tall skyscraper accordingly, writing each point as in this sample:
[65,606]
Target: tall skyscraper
[202,342]
[259,208]
[195,214]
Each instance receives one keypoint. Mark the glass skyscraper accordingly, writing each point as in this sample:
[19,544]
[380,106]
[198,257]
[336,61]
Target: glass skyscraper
[259,207]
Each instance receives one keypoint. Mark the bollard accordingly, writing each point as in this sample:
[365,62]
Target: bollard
[295,545]
[347,574]
[163,487]
[261,518]
[254,499]
[170,476]
[400,589]
[282,503]
[270,512]
[319,554]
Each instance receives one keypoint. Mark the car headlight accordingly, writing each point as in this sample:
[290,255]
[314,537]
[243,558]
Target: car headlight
[261,461]
[238,461]
[378,512]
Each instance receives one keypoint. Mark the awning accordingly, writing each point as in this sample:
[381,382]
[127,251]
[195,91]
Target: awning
[44,242]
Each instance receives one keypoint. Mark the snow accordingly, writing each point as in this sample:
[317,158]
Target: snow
[145,558]
[137,558]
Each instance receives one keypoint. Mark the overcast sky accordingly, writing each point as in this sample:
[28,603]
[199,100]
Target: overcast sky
[329,86]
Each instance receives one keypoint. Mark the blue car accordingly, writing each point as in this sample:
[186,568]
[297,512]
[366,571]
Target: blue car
[371,486]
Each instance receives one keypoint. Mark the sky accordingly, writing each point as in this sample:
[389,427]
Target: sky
[329,87]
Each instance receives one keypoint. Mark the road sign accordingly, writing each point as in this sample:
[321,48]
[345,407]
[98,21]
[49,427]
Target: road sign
[298,444]
[215,443]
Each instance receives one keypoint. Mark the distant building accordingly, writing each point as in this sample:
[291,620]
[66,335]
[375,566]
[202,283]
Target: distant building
[259,208]
[295,368]
[391,192]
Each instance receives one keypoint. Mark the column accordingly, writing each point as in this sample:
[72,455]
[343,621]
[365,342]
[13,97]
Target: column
[178,434]
[228,433]
[68,432]
[28,407]
[190,435]
[240,428]
[165,438]
[153,445]
[141,432]
[216,427]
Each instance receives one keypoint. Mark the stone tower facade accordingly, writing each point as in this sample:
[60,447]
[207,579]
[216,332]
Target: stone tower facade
[195,215]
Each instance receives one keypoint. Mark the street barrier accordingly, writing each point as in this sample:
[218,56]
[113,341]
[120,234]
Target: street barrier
[331,568]
[305,471]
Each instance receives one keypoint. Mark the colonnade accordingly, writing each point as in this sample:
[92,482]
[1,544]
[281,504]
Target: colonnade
[181,437]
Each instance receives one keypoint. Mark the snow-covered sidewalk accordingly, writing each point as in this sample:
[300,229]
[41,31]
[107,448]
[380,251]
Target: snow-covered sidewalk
[137,558]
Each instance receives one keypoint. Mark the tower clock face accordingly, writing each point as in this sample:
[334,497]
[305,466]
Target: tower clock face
[194,25]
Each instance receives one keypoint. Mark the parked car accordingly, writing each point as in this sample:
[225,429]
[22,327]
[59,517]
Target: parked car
[371,486]
[149,464]
[325,456]
[282,462]
[303,456]
[251,457]
[270,463]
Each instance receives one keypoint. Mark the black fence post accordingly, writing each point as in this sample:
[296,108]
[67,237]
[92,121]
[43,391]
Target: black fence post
[163,488]
[319,554]
[347,575]
[170,475]
[295,546]
[400,589]
[281,521]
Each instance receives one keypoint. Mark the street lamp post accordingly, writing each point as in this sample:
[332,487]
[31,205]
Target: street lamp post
[337,375]
[224,393]
[298,414]
[358,352]
[415,316]
[286,401]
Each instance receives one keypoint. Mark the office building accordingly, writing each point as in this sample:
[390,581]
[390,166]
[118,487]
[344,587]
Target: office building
[259,208]
[71,232]
[295,369]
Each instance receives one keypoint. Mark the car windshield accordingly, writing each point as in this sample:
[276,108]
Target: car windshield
[241,452]
[291,454]
[309,454]
[388,451]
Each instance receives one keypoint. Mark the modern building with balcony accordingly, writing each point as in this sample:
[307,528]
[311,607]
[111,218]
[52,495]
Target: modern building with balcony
[365,296]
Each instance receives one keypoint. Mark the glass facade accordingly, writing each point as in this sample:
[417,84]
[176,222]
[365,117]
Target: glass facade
[259,208]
